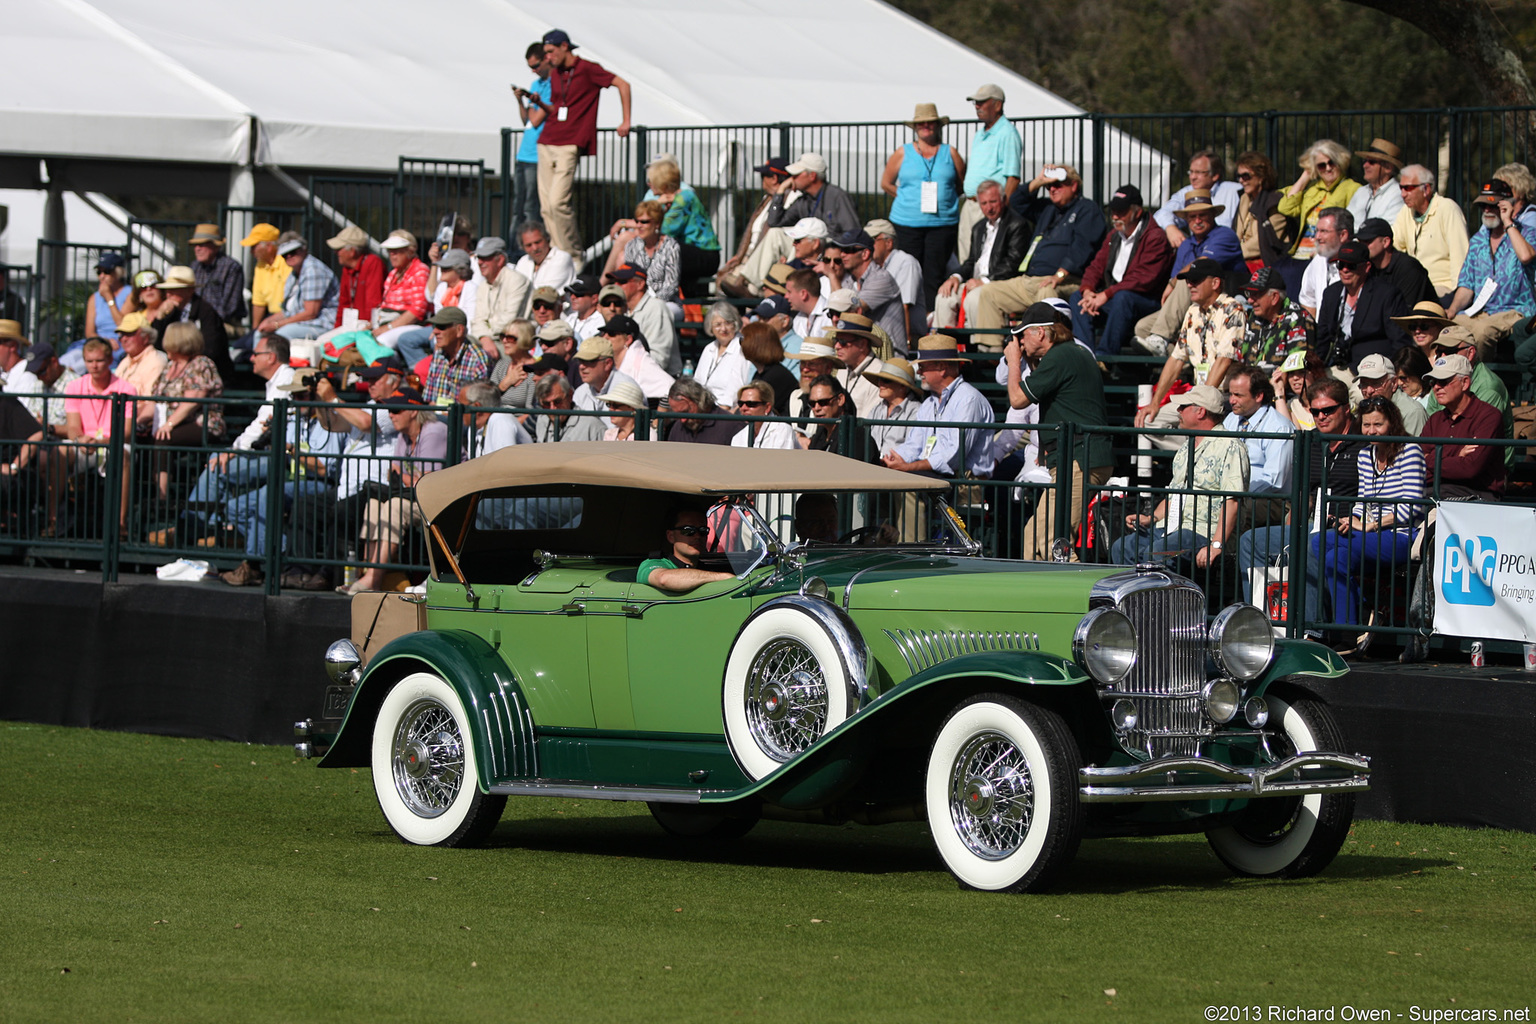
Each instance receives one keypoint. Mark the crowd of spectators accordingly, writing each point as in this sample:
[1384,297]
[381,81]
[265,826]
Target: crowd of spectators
[1333,304]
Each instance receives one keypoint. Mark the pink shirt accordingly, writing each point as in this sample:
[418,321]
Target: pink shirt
[96,416]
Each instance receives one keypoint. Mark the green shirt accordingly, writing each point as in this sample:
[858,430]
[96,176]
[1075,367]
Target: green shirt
[1067,386]
[643,574]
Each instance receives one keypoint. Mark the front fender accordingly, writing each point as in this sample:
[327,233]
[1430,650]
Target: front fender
[1300,658]
[831,765]
[501,726]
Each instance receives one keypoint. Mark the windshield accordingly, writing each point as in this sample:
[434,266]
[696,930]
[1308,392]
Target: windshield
[862,519]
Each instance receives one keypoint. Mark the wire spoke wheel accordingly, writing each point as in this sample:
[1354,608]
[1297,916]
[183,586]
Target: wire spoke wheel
[786,699]
[428,764]
[991,797]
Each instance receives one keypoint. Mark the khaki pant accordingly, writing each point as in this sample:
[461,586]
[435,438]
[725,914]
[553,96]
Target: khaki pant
[1001,299]
[970,213]
[1488,329]
[557,182]
[946,311]
[1040,531]
[1169,319]
[773,247]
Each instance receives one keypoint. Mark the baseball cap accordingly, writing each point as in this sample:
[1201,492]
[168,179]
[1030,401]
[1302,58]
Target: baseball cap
[260,233]
[1125,197]
[620,324]
[38,356]
[547,362]
[556,330]
[626,272]
[586,284]
[1202,269]
[132,322]
[399,239]
[557,37]
[1295,362]
[455,259]
[1041,314]
[775,165]
[545,293]
[987,92]
[1352,253]
[1206,397]
[809,227]
[379,367]
[490,246]
[842,300]
[594,348]
[292,245]
[612,291]
[448,316]
[880,228]
[109,261]
[773,305]
[1453,337]
[854,239]
[1494,190]
[814,162]
[1372,229]
[1447,367]
[1265,279]
[1375,366]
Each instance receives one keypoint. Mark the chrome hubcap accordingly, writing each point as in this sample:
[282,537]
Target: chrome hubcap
[428,764]
[992,798]
[786,699]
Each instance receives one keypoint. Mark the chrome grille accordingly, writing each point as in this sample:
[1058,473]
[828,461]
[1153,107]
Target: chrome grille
[1169,674]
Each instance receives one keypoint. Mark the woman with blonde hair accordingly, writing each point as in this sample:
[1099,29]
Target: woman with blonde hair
[188,374]
[1324,181]
[641,243]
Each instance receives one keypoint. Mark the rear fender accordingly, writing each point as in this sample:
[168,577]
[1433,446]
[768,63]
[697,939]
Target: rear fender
[501,726]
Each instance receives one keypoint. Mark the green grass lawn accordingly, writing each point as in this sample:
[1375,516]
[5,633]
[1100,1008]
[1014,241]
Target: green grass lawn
[155,879]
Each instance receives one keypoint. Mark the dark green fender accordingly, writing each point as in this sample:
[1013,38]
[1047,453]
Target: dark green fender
[833,763]
[503,728]
[1300,658]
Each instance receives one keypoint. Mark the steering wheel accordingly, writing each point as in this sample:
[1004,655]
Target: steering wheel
[857,535]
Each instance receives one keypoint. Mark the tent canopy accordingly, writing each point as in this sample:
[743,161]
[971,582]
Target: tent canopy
[322,83]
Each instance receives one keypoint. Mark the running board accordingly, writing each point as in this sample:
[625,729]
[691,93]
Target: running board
[579,790]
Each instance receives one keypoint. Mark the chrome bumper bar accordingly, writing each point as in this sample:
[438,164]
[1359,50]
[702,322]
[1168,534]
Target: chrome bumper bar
[1200,778]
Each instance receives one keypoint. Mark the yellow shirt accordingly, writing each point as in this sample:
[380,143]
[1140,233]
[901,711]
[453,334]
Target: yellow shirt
[267,285]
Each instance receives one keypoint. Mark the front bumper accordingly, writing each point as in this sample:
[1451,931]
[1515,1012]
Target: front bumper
[1201,778]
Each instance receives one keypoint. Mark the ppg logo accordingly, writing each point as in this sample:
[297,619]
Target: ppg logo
[1467,576]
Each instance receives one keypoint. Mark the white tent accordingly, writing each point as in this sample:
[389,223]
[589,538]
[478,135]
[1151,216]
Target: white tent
[327,84]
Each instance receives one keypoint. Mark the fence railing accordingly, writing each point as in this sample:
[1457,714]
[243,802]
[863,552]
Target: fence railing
[319,504]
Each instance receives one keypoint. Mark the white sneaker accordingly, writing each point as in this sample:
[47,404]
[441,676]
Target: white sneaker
[1152,345]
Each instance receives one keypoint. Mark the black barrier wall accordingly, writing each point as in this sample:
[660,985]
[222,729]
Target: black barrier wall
[1447,743]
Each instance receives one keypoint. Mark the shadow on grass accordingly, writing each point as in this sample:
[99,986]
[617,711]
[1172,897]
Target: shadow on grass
[1121,866]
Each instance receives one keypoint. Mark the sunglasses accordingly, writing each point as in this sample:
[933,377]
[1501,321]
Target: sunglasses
[817,403]
[1058,184]
[1325,410]
[544,305]
[1409,188]
[1324,165]
[1244,176]
[644,220]
[691,531]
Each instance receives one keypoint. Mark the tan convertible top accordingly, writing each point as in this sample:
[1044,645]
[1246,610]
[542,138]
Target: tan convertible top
[661,466]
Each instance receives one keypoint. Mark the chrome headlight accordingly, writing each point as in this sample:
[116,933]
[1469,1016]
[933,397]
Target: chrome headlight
[1105,645]
[1241,641]
[342,661]
[1221,697]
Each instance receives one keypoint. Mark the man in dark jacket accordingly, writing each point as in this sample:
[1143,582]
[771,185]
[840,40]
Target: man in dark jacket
[1068,229]
[998,243]
[183,304]
[1355,316]
[1406,273]
[1125,279]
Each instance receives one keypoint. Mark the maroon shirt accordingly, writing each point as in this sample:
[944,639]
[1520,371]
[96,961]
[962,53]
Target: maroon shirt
[362,287]
[577,89]
[1146,273]
[1483,468]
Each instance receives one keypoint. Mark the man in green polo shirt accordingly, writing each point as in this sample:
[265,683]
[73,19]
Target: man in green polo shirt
[688,534]
[1068,387]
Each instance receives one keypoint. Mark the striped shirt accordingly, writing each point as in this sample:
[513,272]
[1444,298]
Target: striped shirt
[1403,479]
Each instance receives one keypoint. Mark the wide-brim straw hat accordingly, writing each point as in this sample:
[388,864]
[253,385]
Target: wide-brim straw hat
[178,277]
[1198,200]
[897,371]
[626,393]
[1384,151]
[925,112]
[938,348]
[1429,312]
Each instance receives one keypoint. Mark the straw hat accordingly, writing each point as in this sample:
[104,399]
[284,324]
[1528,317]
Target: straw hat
[925,112]
[897,371]
[1429,312]
[624,392]
[1198,200]
[178,277]
[11,329]
[938,348]
[1382,151]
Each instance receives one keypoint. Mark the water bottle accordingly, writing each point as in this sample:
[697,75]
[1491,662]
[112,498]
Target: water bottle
[688,368]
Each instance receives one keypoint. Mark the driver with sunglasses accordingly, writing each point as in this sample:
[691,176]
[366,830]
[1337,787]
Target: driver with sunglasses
[688,535]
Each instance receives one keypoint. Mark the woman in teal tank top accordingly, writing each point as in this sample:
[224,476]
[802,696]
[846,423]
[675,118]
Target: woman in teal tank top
[923,178]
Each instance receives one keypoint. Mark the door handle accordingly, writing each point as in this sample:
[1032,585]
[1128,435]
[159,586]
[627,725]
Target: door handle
[575,608]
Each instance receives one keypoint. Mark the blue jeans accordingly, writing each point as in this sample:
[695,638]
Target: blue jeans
[1344,557]
[1116,321]
[1142,547]
[306,330]
[214,486]
[248,511]
[1260,547]
[414,345]
[525,196]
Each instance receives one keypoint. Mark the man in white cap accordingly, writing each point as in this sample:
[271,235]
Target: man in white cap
[904,267]
[362,276]
[402,312]
[1378,379]
[595,363]
[1187,529]
[807,193]
[501,299]
[997,154]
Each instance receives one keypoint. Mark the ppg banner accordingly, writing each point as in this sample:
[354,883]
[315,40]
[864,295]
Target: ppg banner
[1485,571]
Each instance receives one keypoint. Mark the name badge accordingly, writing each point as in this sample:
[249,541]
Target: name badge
[929,444]
[560,114]
[929,201]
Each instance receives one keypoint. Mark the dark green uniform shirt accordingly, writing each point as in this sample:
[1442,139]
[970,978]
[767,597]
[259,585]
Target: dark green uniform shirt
[1067,386]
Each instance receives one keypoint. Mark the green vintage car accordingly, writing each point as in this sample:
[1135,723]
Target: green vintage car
[886,674]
